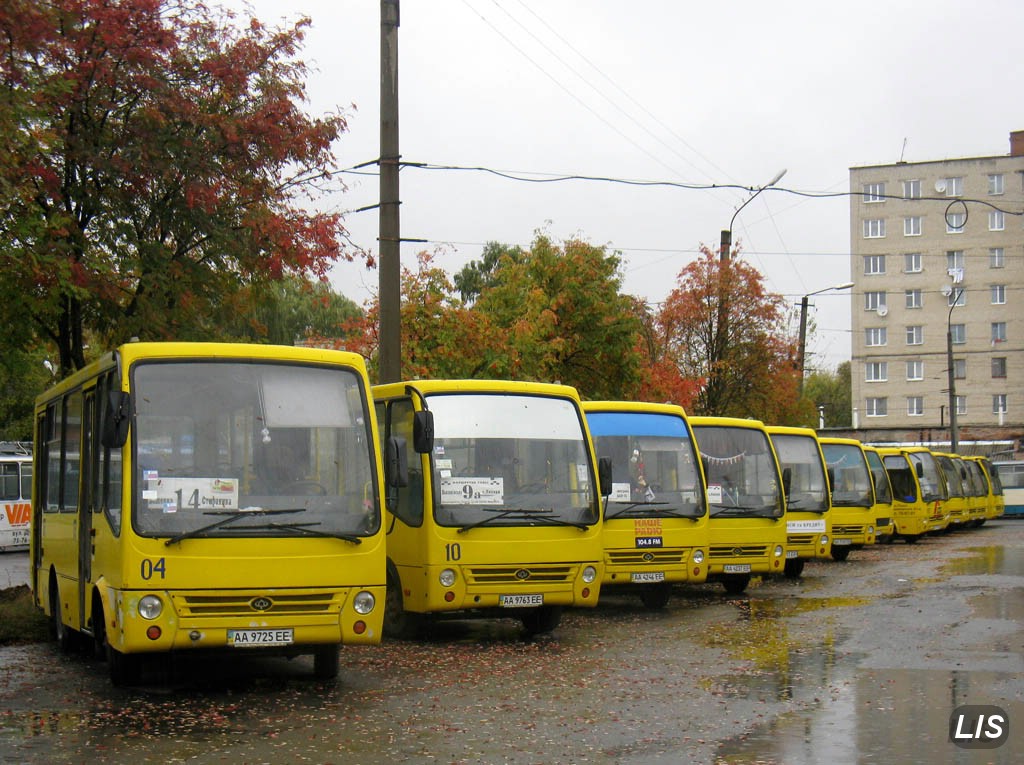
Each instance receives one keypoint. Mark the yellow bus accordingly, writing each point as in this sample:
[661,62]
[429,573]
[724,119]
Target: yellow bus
[656,517]
[885,526]
[747,507]
[918,491]
[501,514]
[957,502]
[808,521]
[977,490]
[15,494]
[853,495]
[193,496]
[996,505]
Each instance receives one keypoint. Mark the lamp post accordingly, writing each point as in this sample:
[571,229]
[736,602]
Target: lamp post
[803,327]
[726,241]
[954,428]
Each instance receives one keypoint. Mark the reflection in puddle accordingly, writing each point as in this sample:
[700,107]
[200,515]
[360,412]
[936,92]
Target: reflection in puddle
[891,715]
[988,560]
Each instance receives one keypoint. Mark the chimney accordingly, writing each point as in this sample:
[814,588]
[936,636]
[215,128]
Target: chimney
[1017,143]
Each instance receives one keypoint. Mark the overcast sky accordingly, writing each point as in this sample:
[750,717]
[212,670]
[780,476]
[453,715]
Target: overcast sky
[704,93]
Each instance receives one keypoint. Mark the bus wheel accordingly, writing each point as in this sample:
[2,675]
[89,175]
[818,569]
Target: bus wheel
[911,539]
[541,620]
[64,635]
[794,567]
[656,596]
[840,553]
[398,623]
[326,661]
[125,668]
[735,584]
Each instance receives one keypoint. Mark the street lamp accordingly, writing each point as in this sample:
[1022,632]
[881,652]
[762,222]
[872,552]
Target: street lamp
[726,243]
[954,428]
[803,326]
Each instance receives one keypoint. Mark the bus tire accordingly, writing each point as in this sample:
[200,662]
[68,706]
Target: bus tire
[735,584]
[840,553]
[656,596]
[541,620]
[326,661]
[911,539]
[125,668]
[794,568]
[398,623]
[63,634]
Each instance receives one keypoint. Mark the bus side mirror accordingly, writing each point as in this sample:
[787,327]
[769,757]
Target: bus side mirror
[919,469]
[604,475]
[423,432]
[830,475]
[115,420]
[787,479]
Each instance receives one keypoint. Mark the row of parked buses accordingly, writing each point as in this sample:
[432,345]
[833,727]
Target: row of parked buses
[203,496]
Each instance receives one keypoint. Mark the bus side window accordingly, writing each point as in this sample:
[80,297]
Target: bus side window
[409,506]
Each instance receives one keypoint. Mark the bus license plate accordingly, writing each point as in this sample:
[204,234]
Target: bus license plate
[643,577]
[790,554]
[737,568]
[842,542]
[259,638]
[519,601]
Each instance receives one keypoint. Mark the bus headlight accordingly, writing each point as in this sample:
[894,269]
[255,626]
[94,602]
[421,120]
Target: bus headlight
[447,578]
[589,574]
[871,530]
[698,556]
[363,602]
[824,540]
[779,551]
[150,607]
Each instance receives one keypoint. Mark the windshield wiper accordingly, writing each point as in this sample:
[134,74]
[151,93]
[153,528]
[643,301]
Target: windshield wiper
[638,510]
[736,509]
[798,505]
[526,515]
[230,517]
[305,529]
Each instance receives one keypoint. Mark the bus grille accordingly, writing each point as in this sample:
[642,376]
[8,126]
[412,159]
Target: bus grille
[849,529]
[801,539]
[523,575]
[241,603]
[738,551]
[631,557]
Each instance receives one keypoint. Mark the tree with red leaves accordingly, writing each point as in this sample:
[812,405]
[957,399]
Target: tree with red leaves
[157,161]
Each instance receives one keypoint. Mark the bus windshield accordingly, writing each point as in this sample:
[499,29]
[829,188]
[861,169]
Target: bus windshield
[654,464]
[851,481]
[510,460]
[233,449]
[928,476]
[808,487]
[742,475]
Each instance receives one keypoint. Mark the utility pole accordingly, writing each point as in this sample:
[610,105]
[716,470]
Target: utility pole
[389,227]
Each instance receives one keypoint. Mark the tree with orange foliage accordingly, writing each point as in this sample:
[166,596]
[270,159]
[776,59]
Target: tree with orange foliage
[721,328]
[157,161]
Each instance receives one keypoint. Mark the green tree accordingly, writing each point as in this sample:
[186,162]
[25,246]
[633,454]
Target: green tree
[722,328]
[290,310]
[157,164]
[478,275]
[833,392]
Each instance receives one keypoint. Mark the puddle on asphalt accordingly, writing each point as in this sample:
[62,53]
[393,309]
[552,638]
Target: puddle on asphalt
[995,559]
[883,716]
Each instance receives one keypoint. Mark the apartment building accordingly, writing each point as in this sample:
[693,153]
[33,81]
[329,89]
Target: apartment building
[937,248]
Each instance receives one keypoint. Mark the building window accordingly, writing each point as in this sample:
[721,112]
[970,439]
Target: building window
[915,335]
[995,183]
[915,406]
[914,299]
[954,260]
[912,189]
[996,257]
[874,301]
[874,336]
[999,332]
[874,228]
[874,264]
[996,221]
[912,226]
[959,369]
[876,371]
[953,187]
[998,294]
[955,222]
[874,192]
[999,366]
[961,404]
[912,263]
[999,403]
[915,370]
[957,296]
[959,333]
[877,407]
